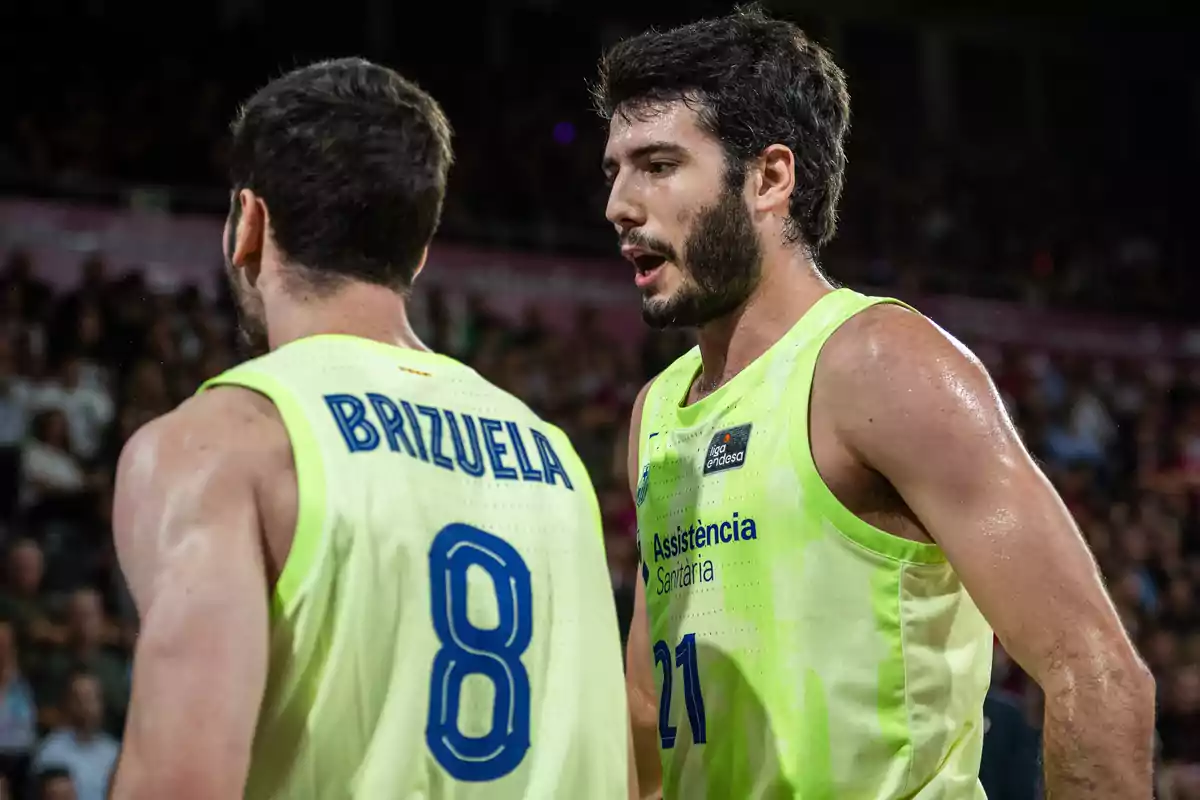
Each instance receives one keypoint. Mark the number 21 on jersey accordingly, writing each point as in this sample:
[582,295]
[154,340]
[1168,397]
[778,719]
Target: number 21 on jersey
[494,653]
[685,659]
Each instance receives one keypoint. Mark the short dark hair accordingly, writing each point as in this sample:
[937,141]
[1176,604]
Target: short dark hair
[753,81]
[351,161]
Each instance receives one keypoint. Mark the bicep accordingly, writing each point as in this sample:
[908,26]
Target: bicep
[200,661]
[1014,544]
[188,538]
[931,422]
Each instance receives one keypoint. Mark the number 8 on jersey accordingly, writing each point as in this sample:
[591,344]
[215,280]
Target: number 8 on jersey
[470,650]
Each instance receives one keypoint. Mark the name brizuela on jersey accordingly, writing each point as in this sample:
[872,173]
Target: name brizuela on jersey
[446,581]
[398,422]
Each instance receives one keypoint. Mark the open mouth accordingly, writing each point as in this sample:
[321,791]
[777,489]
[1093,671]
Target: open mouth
[648,266]
[649,262]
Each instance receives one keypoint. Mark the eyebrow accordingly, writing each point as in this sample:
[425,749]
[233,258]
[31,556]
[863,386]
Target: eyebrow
[642,151]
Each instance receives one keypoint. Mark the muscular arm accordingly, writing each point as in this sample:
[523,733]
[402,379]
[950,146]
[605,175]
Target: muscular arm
[641,693]
[188,537]
[915,406]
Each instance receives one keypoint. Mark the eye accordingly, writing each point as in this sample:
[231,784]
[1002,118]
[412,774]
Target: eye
[660,167]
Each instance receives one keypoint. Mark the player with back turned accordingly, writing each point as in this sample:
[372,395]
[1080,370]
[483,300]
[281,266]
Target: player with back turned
[834,510]
[362,570]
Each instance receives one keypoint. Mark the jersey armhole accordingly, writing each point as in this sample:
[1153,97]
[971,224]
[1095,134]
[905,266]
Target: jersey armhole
[848,524]
[586,485]
[310,479]
[651,405]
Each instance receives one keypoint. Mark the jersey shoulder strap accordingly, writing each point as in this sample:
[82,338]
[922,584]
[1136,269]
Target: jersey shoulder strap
[311,519]
[816,327]
[669,387]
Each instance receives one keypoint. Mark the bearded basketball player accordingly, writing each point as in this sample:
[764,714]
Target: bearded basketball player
[834,510]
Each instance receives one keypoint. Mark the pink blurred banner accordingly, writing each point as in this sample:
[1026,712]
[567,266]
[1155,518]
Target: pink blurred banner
[1003,323]
[179,249]
[174,250]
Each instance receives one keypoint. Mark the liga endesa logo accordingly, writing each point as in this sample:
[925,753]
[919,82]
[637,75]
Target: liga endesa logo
[727,450]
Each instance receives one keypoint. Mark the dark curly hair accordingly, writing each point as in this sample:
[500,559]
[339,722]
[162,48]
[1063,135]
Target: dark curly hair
[753,81]
[351,160]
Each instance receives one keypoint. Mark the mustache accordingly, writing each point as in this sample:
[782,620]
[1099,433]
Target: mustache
[648,243]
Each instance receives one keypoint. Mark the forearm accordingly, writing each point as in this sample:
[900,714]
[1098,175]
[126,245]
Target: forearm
[150,772]
[643,712]
[634,788]
[1099,738]
[133,782]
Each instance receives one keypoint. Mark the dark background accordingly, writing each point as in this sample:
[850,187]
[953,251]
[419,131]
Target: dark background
[1042,155]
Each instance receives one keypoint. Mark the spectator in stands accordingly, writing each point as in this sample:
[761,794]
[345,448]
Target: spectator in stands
[23,604]
[1180,612]
[85,404]
[1179,728]
[14,424]
[1068,443]
[81,747]
[146,397]
[18,714]
[49,472]
[84,651]
[55,783]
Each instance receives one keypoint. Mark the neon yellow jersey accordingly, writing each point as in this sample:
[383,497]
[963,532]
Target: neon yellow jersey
[444,626]
[799,652]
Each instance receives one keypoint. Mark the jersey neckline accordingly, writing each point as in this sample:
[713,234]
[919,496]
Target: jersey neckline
[750,376]
[384,348]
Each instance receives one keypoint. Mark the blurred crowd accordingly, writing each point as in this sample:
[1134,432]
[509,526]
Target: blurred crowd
[916,216]
[80,371]
[1074,195]
[1063,218]
[1121,442]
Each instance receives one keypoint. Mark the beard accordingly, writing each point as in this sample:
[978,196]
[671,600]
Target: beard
[251,325]
[251,317]
[721,265]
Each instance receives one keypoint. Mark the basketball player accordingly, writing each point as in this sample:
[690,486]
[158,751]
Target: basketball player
[362,570]
[833,506]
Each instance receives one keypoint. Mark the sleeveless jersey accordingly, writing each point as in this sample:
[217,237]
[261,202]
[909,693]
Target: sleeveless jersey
[444,625]
[799,652]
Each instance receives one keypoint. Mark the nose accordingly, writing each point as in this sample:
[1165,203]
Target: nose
[624,210]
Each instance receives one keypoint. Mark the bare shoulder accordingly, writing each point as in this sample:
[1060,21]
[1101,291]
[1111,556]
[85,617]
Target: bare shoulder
[216,443]
[889,377]
[227,424]
[890,343]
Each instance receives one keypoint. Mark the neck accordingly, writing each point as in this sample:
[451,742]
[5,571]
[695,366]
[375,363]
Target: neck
[790,285]
[357,309]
